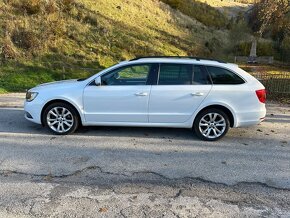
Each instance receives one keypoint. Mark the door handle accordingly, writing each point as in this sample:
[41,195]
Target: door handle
[197,94]
[141,94]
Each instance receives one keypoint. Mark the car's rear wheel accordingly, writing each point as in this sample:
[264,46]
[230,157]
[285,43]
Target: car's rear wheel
[211,124]
[61,118]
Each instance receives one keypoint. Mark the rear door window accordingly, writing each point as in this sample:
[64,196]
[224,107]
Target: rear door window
[223,76]
[182,74]
[175,74]
[200,76]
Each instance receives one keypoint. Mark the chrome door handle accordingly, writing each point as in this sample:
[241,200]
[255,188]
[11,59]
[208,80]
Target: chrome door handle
[141,94]
[197,94]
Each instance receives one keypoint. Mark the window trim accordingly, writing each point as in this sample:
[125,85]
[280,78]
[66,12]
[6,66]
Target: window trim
[224,68]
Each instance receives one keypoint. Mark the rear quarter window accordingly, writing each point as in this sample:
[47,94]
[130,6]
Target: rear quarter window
[221,76]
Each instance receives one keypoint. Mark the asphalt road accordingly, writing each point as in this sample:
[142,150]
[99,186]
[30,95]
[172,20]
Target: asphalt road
[135,172]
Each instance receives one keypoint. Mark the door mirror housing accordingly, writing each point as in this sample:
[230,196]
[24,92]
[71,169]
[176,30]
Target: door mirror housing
[116,76]
[98,81]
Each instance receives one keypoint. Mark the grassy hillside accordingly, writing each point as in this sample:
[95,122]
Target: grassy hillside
[42,39]
[230,8]
[200,11]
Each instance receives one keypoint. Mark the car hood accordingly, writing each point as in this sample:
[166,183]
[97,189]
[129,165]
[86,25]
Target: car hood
[58,83]
[55,85]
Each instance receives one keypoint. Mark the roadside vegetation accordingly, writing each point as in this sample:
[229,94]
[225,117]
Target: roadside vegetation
[38,36]
[46,40]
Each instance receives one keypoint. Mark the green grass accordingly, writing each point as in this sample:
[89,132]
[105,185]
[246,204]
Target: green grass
[21,76]
[3,91]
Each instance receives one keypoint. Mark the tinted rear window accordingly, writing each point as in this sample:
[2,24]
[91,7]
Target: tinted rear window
[182,74]
[223,76]
[200,76]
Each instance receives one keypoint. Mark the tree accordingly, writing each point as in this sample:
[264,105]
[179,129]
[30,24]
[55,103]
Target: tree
[271,16]
[271,19]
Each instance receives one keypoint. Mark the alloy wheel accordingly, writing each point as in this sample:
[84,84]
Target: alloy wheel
[60,119]
[212,125]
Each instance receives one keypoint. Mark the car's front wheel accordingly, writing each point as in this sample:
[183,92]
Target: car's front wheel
[211,124]
[61,118]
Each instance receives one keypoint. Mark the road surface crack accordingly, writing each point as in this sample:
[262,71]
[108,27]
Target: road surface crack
[102,171]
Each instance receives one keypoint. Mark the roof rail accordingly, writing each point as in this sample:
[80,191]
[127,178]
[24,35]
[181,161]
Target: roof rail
[179,57]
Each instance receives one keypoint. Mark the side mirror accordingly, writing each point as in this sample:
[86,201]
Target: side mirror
[116,76]
[98,81]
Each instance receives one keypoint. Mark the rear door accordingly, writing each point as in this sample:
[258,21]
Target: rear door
[180,90]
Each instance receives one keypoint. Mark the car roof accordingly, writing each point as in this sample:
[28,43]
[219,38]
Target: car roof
[184,60]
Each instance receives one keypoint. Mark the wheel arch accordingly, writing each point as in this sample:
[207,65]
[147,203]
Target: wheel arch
[59,101]
[225,109]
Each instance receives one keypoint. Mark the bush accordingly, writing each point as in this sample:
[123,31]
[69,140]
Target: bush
[25,39]
[8,51]
[263,48]
[91,19]
[51,7]
[31,7]
[67,5]
[285,49]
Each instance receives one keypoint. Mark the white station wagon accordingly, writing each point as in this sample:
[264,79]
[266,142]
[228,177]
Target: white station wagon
[207,96]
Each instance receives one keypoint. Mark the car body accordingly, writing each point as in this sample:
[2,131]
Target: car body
[153,92]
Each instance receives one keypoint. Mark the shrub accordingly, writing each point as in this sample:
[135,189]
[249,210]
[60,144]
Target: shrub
[25,39]
[91,19]
[243,48]
[51,7]
[8,51]
[67,5]
[263,48]
[31,6]
[285,49]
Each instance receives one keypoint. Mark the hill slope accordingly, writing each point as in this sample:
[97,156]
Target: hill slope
[231,8]
[42,38]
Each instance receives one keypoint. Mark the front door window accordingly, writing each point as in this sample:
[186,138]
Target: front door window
[129,75]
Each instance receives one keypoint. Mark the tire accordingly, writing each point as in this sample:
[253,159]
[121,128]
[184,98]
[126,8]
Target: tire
[211,124]
[61,118]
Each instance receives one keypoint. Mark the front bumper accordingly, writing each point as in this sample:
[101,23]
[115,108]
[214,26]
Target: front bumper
[33,111]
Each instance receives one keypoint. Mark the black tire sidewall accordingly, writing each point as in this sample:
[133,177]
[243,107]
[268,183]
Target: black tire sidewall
[68,107]
[201,114]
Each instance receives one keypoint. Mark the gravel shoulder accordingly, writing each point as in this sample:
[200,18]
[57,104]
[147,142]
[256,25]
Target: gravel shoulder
[143,172]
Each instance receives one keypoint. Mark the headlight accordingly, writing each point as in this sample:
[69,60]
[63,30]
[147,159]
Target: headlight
[30,96]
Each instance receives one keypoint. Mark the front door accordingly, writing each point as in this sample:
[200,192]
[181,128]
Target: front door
[180,90]
[123,96]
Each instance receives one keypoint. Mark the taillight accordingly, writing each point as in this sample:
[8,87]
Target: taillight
[261,94]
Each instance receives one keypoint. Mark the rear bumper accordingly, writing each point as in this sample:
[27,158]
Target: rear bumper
[251,118]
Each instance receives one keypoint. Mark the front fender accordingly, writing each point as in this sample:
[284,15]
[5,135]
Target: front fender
[77,105]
